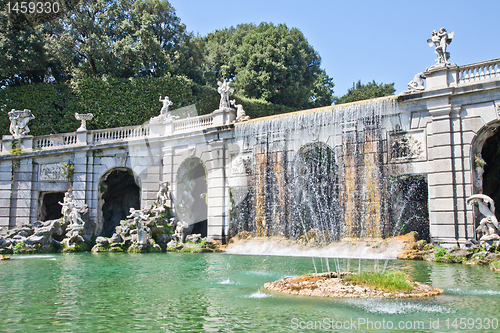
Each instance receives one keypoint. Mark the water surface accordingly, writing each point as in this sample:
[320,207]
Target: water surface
[183,292]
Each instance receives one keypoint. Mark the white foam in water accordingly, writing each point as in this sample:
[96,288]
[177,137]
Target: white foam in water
[228,281]
[397,307]
[258,294]
[262,273]
[37,256]
[472,292]
[283,247]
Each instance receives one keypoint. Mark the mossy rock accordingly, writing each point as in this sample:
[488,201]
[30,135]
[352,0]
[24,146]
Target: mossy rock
[98,248]
[134,248]
[74,248]
[495,265]
[115,249]
[6,251]
[155,248]
[203,249]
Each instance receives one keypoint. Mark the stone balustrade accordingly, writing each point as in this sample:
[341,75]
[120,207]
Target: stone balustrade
[121,133]
[55,140]
[479,71]
[189,124]
[58,141]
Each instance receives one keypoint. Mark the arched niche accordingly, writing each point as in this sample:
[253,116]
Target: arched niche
[119,190]
[191,200]
[315,192]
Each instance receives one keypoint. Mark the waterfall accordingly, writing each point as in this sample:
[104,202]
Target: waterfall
[315,174]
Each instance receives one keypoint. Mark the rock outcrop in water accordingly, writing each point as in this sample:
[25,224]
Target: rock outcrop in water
[43,237]
[332,284]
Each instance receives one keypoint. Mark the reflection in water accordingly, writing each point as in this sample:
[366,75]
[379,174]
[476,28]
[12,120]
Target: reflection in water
[177,292]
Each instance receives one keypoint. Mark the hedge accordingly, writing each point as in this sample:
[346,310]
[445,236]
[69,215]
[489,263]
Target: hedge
[114,102]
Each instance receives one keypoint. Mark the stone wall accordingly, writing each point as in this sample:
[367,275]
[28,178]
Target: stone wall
[436,133]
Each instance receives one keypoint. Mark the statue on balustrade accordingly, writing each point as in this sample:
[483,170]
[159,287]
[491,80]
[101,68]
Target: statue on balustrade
[240,113]
[166,103]
[440,40]
[19,122]
[488,226]
[84,118]
[417,84]
[224,90]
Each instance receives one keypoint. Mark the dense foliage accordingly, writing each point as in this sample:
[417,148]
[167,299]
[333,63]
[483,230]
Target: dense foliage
[114,58]
[115,102]
[271,62]
[361,91]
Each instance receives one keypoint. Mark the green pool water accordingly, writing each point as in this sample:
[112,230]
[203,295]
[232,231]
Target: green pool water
[183,292]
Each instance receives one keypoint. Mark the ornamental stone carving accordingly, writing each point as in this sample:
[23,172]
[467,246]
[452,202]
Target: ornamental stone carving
[240,113]
[19,122]
[224,90]
[53,171]
[84,118]
[405,147]
[121,159]
[440,40]
[417,84]
[488,226]
[166,103]
[241,165]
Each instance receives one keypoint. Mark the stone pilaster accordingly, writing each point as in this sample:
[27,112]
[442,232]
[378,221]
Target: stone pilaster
[80,177]
[5,195]
[449,170]
[218,194]
[20,209]
[167,171]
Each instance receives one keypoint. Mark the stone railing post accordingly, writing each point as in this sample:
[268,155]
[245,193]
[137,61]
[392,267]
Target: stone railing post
[224,116]
[25,143]
[168,126]
[81,138]
[441,78]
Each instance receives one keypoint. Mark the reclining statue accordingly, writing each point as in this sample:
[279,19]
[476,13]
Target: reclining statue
[488,226]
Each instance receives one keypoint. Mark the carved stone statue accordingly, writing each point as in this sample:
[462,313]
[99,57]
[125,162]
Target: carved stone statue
[19,122]
[84,118]
[166,103]
[65,209]
[417,84]
[70,211]
[224,90]
[440,39]
[162,197]
[179,231]
[240,113]
[137,215]
[71,214]
[488,226]
[142,234]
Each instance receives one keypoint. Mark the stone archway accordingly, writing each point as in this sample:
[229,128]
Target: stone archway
[490,164]
[191,202]
[316,192]
[50,209]
[119,191]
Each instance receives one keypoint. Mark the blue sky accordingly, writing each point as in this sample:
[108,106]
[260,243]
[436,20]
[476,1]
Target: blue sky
[383,41]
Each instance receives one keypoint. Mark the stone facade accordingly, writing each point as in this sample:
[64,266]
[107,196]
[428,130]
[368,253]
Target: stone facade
[436,132]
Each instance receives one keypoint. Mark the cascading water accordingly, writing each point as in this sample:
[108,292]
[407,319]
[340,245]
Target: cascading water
[315,174]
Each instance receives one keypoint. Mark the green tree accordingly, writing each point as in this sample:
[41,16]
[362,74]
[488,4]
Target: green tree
[268,61]
[119,38]
[360,92]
